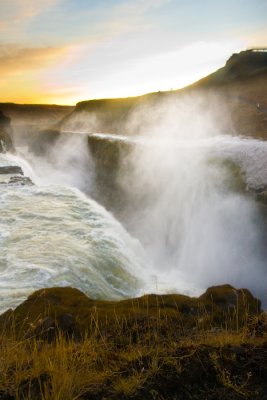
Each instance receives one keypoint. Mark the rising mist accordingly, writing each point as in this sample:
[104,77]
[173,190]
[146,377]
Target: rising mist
[185,192]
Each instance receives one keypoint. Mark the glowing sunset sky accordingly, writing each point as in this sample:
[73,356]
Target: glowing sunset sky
[64,51]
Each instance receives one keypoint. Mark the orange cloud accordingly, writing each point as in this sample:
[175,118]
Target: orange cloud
[21,71]
[15,60]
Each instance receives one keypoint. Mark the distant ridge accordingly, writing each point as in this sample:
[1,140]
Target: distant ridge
[239,66]
[35,113]
[240,86]
[257,49]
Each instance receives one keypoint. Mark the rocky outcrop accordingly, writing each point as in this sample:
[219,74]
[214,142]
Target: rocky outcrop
[48,311]
[240,87]
[153,347]
[6,143]
[10,170]
[20,181]
[43,141]
[17,176]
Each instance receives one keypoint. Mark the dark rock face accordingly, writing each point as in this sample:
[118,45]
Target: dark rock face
[11,169]
[18,177]
[43,141]
[4,121]
[110,158]
[20,181]
[246,63]
[6,143]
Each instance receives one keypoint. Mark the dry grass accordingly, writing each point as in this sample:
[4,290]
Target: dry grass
[133,362]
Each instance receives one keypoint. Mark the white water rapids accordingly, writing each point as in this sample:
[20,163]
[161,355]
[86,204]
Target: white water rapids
[55,236]
[192,229]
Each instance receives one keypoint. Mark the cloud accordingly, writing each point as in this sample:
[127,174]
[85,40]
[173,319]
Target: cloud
[17,15]
[15,11]
[15,59]
[257,38]
[140,6]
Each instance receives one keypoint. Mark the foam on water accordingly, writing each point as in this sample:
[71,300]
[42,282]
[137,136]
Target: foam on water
[56,236]
[195,230]
[198,223]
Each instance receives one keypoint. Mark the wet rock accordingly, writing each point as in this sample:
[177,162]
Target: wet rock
[6,143]
[20,180]
[11,169]
[43,141]
[262,196]
[4,121]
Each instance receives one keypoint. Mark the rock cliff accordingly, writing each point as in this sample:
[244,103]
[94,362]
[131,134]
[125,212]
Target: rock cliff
[6,143]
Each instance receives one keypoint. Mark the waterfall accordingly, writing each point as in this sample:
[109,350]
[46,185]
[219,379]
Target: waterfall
[191,213]
[53,235]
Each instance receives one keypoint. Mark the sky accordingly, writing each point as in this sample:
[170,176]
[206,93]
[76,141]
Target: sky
[65,51]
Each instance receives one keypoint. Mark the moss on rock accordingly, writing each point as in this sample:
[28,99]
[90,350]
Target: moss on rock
[220,306]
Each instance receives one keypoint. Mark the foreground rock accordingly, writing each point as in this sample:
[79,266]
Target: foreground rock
[219,307]
[170,347]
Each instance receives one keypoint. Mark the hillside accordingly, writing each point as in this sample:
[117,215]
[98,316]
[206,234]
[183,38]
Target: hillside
[28,119]
[33,114]
[240,86]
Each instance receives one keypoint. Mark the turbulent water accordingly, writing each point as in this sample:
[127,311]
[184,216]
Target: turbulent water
[56,236]
[193,227]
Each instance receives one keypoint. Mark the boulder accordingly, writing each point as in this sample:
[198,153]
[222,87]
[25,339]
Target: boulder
[17,178]
[20,181]
[225,300]
[11,170]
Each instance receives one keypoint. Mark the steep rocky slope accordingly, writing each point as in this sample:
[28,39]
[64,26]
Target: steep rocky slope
[240,86]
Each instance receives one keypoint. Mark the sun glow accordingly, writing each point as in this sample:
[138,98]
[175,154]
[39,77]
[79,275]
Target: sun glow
[64,52]
[75,77]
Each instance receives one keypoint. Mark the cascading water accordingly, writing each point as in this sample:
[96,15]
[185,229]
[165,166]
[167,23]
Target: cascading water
[198,221]
[196,226]
[56,236]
